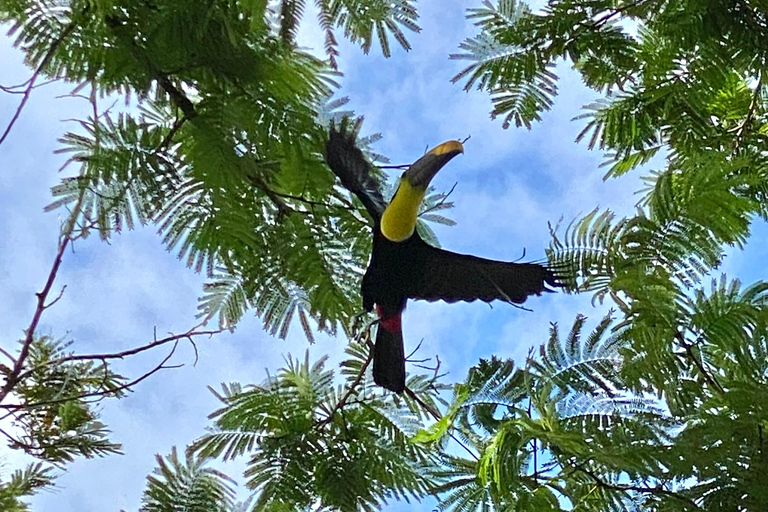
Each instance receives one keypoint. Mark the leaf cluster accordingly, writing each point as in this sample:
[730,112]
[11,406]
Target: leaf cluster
[689,76]
[312,445]
[52,408]
[555,434]
[687,84]
[187,485]
[23,483]
[223,151]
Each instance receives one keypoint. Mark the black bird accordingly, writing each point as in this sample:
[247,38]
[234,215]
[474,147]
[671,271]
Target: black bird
[403,266]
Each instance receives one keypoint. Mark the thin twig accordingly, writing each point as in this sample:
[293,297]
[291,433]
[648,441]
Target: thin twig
[282,207]
[102,394]
[66,237]
[658,490]
[413,396]
[440,203]
[614,12]
[345,398]
[12,89]
[750,114]
[8,355]
[699,364]
[418,346]
[171,133]
[14,442]
[120,355]
[57,299]
[31,83]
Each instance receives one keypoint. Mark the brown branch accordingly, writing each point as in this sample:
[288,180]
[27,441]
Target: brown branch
[699,364]
[189,335]
[738,138]
[441,202]
[282,207]
[658,490]
[598,23]
[57,299]
[345,398]
[16,443]
[13,378]
[8,355]
[171,133]
[31,82]
[12,89]
[178,97]
[101,394]
[125,353]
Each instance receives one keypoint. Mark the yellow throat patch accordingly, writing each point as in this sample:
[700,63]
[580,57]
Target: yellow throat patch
[399,219]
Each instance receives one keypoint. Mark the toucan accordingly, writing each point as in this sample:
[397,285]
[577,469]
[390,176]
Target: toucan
[403,266]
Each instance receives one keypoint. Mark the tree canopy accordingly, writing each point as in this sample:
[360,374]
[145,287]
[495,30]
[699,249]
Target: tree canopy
[661,406]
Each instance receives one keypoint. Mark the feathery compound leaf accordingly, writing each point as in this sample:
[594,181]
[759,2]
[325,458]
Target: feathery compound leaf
[582,365]
[188,484]
[24,483]
[360,18]
[524,103]
[311,445]
[225,296]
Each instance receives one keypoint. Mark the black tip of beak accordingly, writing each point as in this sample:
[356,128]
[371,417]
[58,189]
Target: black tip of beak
[421,172]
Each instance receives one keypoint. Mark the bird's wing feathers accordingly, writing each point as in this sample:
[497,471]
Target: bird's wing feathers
[349,163]
[453,277]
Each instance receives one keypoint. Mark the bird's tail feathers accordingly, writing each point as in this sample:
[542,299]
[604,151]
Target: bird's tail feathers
[389,359]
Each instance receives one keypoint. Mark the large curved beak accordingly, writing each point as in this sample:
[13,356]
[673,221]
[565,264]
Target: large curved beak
[421,172]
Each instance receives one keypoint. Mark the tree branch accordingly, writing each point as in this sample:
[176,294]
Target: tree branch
[101,394]
[189,335]
[31,82]
[282,207]
[440,203]
[178,97]
[66,237]
[344,399]
[699,364]
[171,133]
[658,490]
[739,137]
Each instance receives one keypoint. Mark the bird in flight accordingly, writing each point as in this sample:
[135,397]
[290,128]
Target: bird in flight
[403,266]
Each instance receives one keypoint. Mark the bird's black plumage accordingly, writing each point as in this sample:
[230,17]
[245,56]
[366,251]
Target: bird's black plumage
[413,269]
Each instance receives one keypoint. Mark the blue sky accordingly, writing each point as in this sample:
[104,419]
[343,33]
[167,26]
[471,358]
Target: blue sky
[510,184]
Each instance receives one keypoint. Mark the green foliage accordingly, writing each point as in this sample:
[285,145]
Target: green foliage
[24,483]
[54,412]
[312,444]
[687,84]
[187,485]
[543,433]
[521,83]
[662,409]
[360,18]
[682,78]
[224,150]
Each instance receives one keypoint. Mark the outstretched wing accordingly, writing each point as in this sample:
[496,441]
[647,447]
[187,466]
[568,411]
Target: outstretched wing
[350,165]
[452,277]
